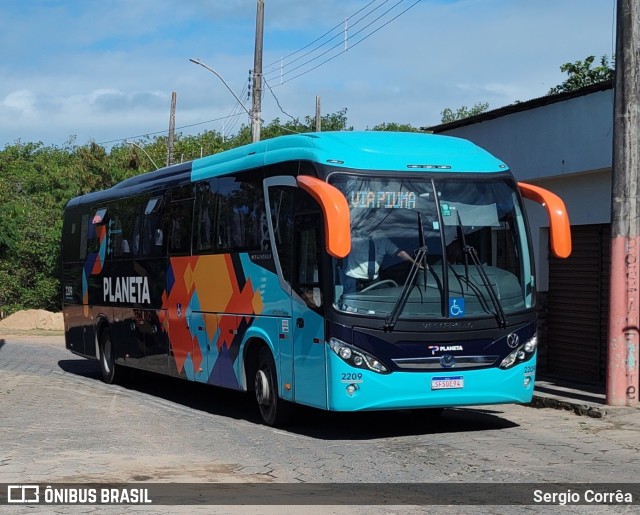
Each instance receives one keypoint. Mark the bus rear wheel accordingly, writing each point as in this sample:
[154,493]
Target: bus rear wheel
[274,411]
[110,371]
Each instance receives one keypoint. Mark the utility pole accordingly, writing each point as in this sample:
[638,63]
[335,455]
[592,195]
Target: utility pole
[257,74]
[622,362]
[318,119]
[172,129]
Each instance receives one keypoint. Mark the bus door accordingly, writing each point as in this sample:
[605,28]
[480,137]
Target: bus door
[308,304]
[279,194]
[295,230]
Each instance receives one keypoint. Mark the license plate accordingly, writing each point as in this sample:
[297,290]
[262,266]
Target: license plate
[447,383]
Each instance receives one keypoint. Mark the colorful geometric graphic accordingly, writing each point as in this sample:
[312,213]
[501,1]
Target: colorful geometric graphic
[209,306]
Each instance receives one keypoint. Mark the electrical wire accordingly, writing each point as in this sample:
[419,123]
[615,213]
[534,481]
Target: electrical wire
[147,134]
[339,34]
[320,37]
[235,114]
[353,45]
[278,101]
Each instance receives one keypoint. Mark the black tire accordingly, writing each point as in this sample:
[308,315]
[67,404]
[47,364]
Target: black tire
[110,371]
[275,412]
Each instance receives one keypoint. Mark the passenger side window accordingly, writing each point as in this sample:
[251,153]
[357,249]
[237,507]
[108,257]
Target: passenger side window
[122,229]
[206,204]
[180,215]
[149,230]
[241,221]
[97,230]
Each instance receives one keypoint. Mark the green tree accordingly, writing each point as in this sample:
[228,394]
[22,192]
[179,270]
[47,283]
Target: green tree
[36,183]
[395,127]
[449,115]
[582,73]
[330,122]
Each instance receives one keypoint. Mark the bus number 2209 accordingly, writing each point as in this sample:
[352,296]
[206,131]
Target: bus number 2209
[351,377]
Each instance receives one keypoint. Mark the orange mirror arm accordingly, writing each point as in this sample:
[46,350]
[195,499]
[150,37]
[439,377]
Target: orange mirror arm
[559,226]
[337,221]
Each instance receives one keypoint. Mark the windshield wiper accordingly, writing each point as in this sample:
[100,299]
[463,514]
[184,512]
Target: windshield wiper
[419,259]
[463,243]
[502,320]
[468,250]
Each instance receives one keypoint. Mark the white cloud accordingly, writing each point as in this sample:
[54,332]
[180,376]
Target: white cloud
[104,70]
[22,101]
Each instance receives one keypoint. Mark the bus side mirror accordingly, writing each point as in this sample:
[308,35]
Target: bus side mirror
[559,226]
[335,210]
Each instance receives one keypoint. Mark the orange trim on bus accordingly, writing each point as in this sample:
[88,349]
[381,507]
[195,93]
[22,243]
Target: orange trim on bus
[559,226]
[337,221]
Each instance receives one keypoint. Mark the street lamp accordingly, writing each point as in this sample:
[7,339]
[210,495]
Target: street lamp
[145,152]
[198,61]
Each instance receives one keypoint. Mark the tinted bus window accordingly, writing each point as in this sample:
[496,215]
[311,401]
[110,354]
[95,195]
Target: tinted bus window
[204,230]
[241,220]
[122,229]
[149,239]
[71,236]
[180,215]
[281,201]
[97,226]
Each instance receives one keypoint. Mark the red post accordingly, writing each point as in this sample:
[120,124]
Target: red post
[622,363]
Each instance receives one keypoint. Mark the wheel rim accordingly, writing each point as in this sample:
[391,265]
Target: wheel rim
[106,355]
[263,388]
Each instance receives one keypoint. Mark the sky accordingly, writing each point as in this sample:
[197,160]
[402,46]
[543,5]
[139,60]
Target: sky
[81,71]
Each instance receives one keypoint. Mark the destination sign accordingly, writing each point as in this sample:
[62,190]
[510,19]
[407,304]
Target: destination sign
[369,199]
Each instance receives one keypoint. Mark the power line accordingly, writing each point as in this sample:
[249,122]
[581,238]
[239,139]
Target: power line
[243,105]
[339,34]
[234,113]
[277,101]
[147,134]
[353,45]
[320,37]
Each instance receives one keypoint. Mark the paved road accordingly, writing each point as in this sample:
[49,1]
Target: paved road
[60,423]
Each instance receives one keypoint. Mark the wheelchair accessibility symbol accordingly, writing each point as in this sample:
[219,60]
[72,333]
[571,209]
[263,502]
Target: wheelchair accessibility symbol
[456,307]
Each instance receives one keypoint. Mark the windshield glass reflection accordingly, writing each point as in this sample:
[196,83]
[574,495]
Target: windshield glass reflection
[477,261]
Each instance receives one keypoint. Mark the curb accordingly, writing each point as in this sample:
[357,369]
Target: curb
[585,410]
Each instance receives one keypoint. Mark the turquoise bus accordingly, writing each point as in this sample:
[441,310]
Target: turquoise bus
[345,271]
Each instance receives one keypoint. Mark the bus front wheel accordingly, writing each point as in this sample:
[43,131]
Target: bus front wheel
[274,411]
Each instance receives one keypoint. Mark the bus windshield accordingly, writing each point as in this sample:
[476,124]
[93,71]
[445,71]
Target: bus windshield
[448,246]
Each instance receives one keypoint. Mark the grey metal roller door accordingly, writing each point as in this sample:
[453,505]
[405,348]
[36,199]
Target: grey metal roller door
[578,307]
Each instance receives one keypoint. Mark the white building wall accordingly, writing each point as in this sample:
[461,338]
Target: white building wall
[573,136]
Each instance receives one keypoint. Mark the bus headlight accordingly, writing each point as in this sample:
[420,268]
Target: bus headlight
[356,357]
[531,345]
[522,353]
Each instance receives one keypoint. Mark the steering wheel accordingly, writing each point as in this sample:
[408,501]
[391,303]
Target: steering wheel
[380,283]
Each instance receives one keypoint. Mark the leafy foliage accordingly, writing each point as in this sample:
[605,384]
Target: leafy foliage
[396,127]
[581,74]
[448,115]
[36,182]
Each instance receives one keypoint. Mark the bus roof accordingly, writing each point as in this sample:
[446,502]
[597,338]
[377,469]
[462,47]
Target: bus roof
[369,150]
[365,150]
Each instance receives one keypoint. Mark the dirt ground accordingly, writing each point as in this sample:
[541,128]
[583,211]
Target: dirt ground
[32,320]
